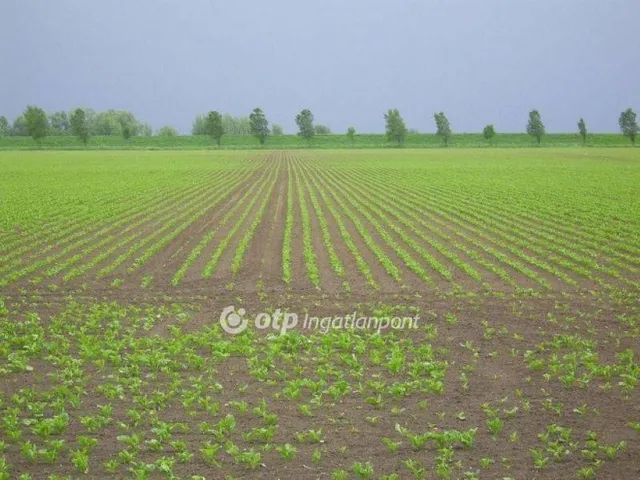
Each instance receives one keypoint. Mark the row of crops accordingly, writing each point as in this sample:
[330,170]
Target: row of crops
[333,221]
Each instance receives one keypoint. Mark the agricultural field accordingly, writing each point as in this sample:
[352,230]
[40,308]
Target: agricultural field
[520,267]
[413,140]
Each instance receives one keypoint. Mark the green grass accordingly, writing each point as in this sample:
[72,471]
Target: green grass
[470,140]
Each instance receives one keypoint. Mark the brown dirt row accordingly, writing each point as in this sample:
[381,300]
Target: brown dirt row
[262,269]
[166,262]
[222,276]
[380,275]
[459,277]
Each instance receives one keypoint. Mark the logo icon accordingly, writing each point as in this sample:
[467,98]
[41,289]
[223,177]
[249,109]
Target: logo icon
[233,322]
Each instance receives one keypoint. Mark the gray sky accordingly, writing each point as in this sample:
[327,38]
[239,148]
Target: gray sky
[480,61]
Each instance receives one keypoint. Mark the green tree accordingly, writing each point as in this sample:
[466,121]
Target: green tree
[582,128]
[19,127]
[59,123]
[127,131]
[395,128]
[535,127]
[199,125]
[4,126]
[320,129]
[488,133]
[128,123]
[443,128]
[214,127]
[629,125]
[167,131]
[304,120]
[106,123]
[80,124]
[259,125]
[351,135]
[36,122]
[276,130]
[145,130]
[236,125]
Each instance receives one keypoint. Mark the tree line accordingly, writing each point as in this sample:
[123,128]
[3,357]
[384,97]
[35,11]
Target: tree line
[396,129]
[84,123]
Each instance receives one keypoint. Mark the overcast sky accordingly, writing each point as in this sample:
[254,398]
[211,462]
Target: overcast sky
[479,61]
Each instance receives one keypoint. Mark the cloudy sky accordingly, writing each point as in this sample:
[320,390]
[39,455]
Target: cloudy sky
[479,61]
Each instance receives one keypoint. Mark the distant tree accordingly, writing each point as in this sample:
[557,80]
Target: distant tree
[214,127]
[80,125]
[395,128]
[167,131]
[488,133]
[127,131]
[259,125]
[36,122]
[106,123]
[114,123]
[351,135]
[19,127]
[59,123]
[582,128]
[199,125]
[443,128]
[91,120]
[276,130]
[629,125]
[304,120]
[4,126]
[236,125]
[320,129]
[145,130]
[535,127]
[130,126]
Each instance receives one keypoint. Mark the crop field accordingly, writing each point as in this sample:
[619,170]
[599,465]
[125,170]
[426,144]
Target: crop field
[200,142]
[521,268]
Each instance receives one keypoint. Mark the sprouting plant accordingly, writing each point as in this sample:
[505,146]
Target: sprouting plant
[540,460]
[316,456]
[305,409]
[29,450]
[486,462]
[80,459]
[391,445]
[111,465]
[364,471]
[287,451]
[495,425]
[249,458]
[310,436]
[209,452]
[586,473]
[339,475]
[634,425]
[241,407]
[416,468]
